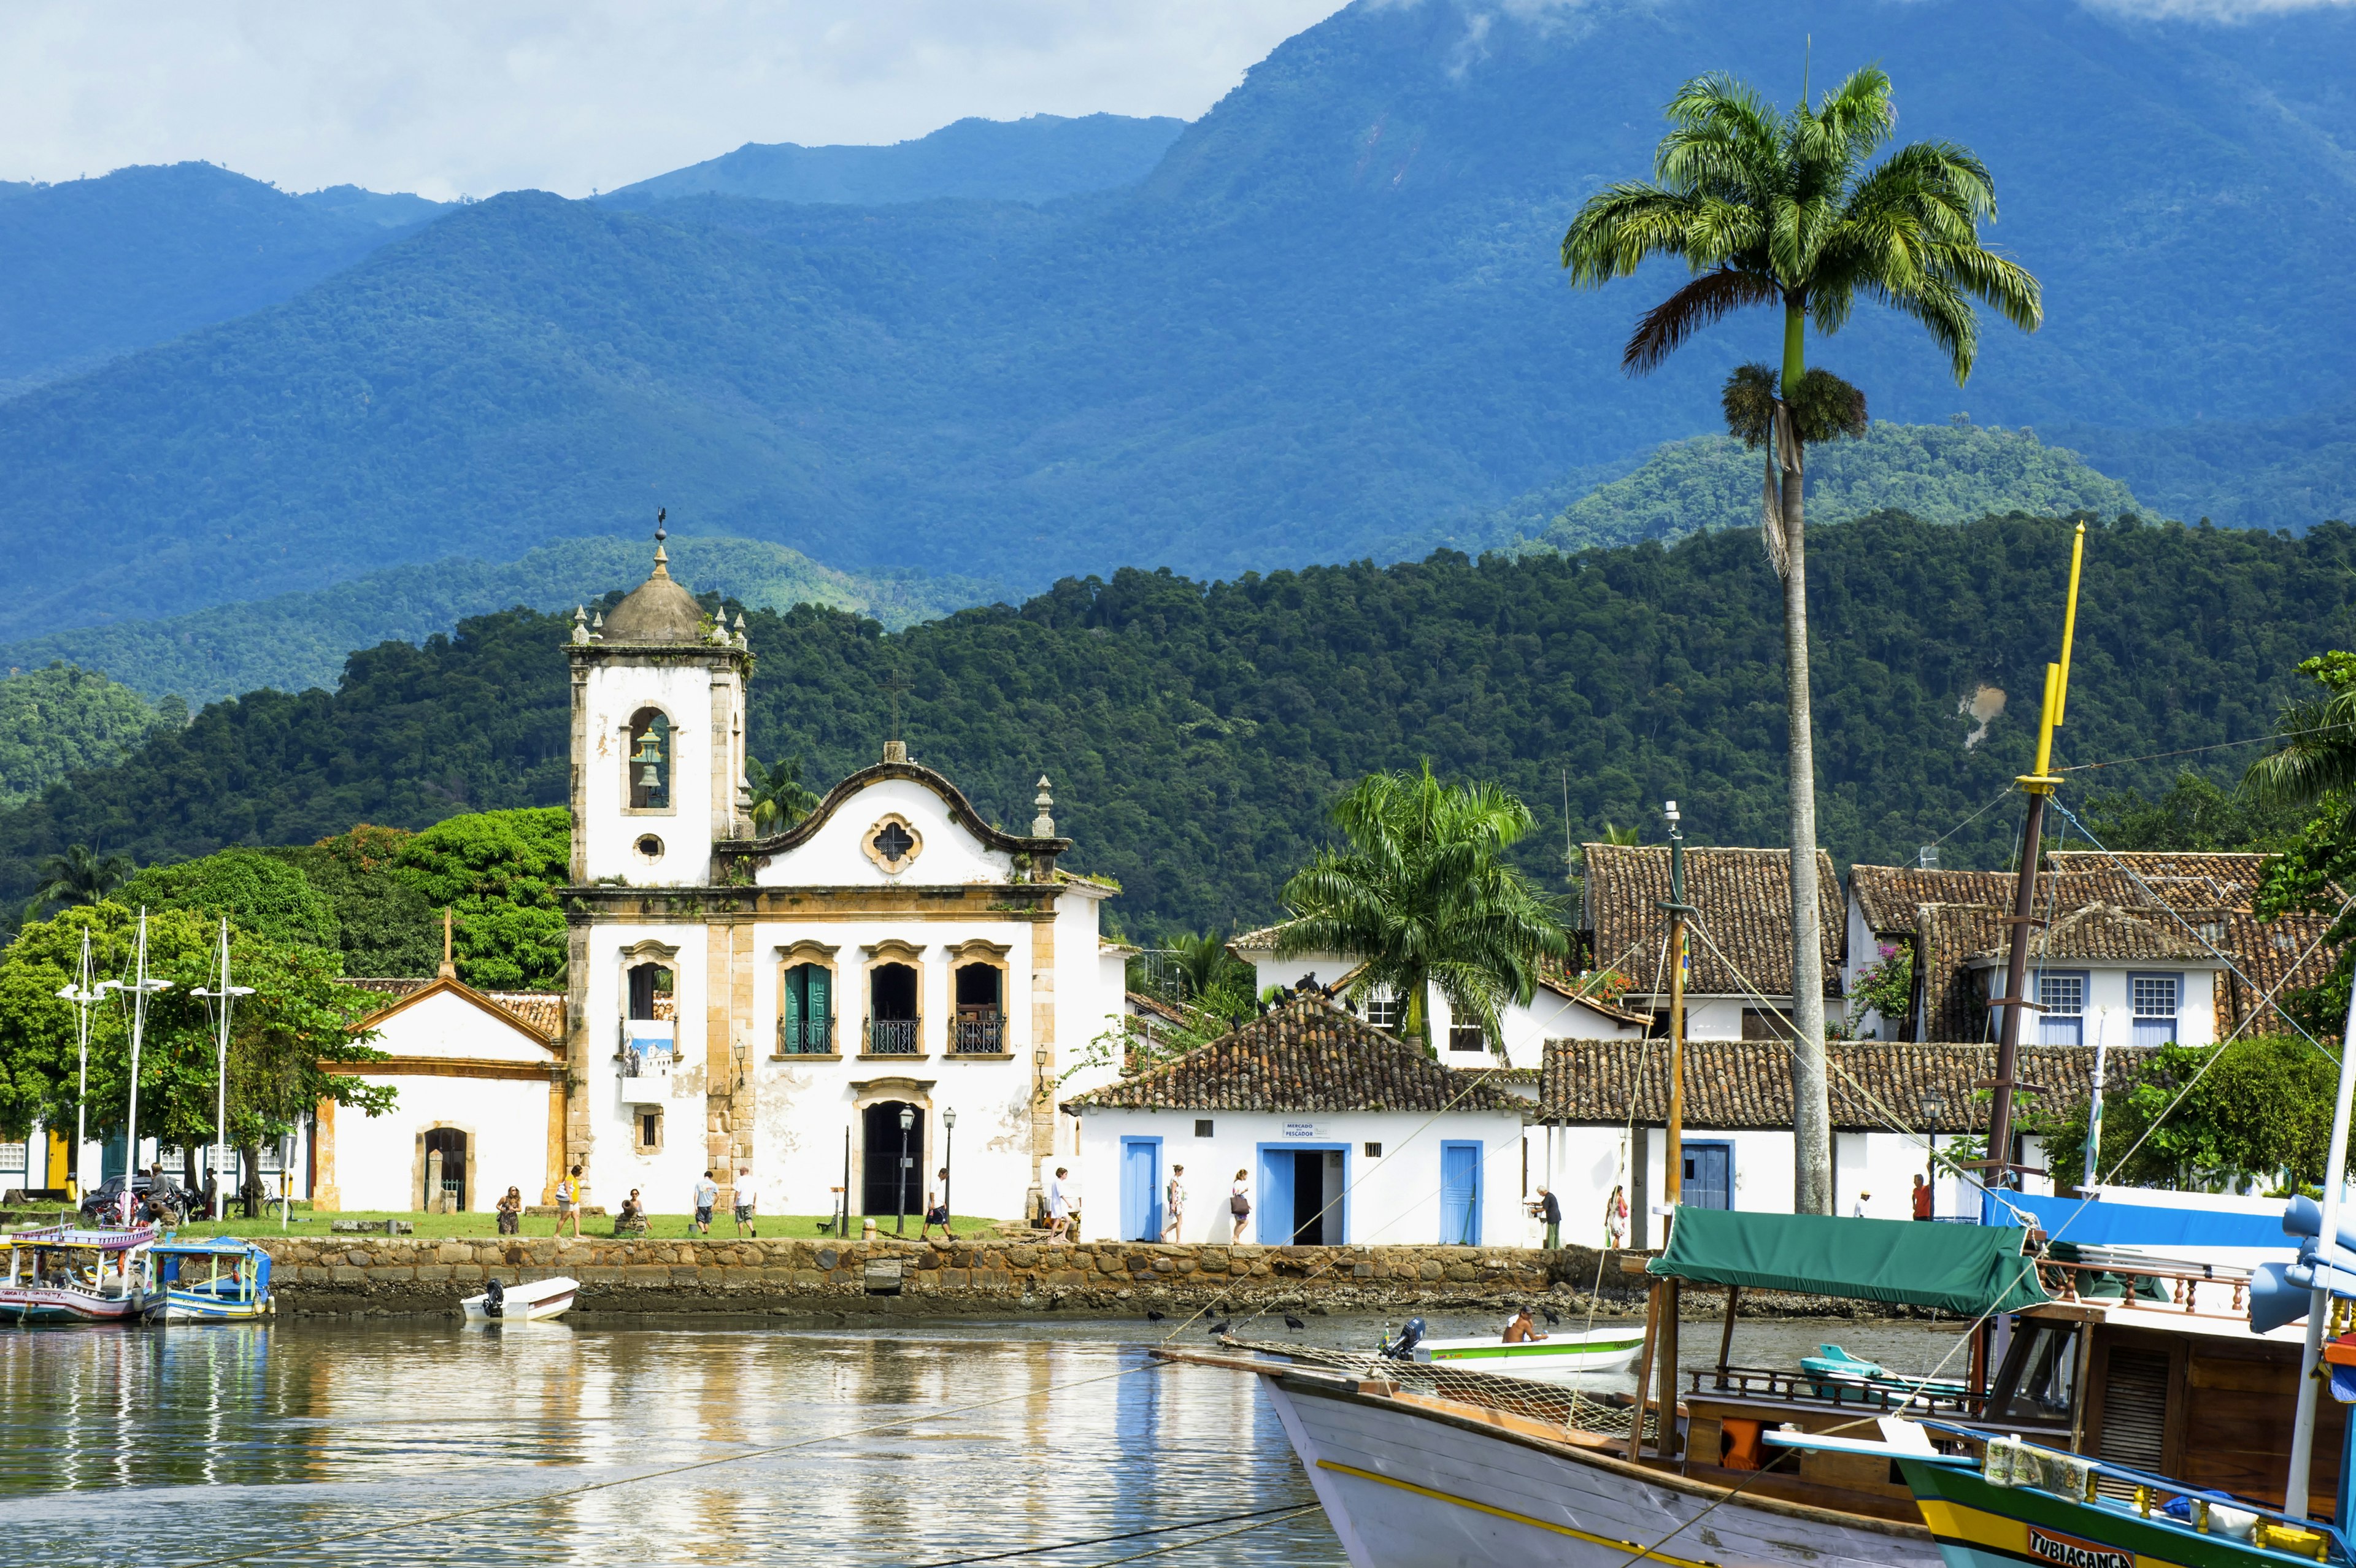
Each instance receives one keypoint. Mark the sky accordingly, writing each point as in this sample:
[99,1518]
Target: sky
[460,97]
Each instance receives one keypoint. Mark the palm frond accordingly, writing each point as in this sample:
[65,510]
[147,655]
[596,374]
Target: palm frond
[2316,757]
[1749,401]
[1621,226]
[1706,300]
[1826,408]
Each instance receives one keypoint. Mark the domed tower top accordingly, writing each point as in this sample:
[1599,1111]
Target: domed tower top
[659,610]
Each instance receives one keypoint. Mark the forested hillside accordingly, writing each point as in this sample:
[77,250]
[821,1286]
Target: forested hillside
[1195,734]
[298,640]
[58,719]
[1331,317]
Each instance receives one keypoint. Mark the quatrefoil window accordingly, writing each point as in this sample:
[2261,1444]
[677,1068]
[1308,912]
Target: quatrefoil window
[891,844]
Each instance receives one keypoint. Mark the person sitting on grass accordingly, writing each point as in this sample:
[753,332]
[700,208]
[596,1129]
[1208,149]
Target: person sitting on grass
[511,1212]
[632,1220]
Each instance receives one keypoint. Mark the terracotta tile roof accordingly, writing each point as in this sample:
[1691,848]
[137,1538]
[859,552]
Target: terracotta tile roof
[1952,1005]
[2184,881]
[1260,940]
[1889,895]
[2269,955]
[540,1011]
[1744,897]
[1733,1084]
[1153,1005]
[2106,933]
[1307,1055]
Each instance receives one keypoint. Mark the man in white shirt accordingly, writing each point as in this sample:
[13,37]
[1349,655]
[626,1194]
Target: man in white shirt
[748,1203]
[1861,1197]
[707,1195]
[1059,1208]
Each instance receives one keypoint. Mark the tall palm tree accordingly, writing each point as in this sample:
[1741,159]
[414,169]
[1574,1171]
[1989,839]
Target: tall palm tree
[80,876]
[1425,897]
[780,799]
[1779,209]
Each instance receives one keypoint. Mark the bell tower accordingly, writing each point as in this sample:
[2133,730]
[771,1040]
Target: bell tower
[658,735]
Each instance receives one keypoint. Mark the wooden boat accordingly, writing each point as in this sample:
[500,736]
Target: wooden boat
[1560,1354]
[1831,1363]
[217,1279]
[64,1273]
[526,1302]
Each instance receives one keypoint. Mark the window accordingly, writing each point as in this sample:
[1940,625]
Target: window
[2155,997]
[1374,1151]
[650,846]
[980,1026]
[806,1025]
[649,1131]
[892,1020]
[1201,1129]
[1467,1037]
[649,782]
[1384,1011]
[650,1033]
[12,1156]
[2063,998]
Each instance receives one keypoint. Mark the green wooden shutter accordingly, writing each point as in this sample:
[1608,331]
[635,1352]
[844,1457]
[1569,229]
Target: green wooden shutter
[821,1007]
[797,981]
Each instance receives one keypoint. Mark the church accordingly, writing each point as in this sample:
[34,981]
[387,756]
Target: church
[890,987]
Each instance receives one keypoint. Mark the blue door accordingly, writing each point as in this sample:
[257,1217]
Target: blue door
[1272,1204]
[1141,1189]
[1460,1194]
[1709,1175]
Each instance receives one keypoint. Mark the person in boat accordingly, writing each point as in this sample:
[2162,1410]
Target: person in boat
[511,1210]
[1522,1330]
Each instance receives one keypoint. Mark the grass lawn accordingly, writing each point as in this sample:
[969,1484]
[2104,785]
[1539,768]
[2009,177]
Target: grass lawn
[672,1227]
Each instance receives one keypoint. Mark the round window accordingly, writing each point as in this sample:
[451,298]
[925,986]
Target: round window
[650,847]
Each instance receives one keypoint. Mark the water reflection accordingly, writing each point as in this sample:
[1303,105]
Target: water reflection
[181,1445]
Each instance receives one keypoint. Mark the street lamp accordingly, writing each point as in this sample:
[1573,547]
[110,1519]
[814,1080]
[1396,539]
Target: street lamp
[948,1159]
[1932,1104]
[225,996]
[900,1188]
[82,997]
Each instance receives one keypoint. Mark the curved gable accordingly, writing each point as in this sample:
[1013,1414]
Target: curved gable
[830,847]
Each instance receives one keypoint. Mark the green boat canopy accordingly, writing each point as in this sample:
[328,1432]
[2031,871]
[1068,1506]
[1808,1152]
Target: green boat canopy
[1962,1269]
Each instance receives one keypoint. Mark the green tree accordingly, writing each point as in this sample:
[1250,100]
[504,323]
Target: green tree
[383,923]
[257,891]
[1780,210]
[780,799]
[502,872]
[2312,770]
[298,1018]
[80,877]
[1426,896]
[2260,1111]
[2194,816]
[60,720]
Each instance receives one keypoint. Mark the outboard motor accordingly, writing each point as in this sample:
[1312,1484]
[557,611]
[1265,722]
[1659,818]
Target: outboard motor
[495,1298]
[1403,1347]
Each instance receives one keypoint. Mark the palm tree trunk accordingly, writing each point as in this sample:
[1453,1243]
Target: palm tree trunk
[1812,1119]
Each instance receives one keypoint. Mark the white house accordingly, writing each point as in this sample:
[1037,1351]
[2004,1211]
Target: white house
[480,1104]
[890,987]
[1605,1103]
[1345,1135]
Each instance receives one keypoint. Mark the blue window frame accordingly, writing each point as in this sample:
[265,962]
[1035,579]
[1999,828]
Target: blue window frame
[1708,1178]
[1141,1189]
[2062,993]
[1460,1194]
[2156,999]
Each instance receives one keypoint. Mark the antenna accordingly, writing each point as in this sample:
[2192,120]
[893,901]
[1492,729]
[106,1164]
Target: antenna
[1807,50]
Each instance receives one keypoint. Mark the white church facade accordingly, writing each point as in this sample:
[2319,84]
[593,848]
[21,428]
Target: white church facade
[785,1004]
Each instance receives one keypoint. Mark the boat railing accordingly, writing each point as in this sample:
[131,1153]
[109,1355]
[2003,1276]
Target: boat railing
[2117,1277]
[1886,1396]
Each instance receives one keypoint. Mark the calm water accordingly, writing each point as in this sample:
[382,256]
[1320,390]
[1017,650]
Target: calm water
[188,1446]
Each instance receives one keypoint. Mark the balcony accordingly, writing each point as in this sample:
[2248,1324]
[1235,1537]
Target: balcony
[978,1033]
[806,1036]
[892,1037]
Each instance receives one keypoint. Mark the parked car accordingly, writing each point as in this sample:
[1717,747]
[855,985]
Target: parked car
[103,1203]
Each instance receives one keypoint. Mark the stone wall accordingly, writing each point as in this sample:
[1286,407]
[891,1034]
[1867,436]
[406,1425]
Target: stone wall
[404,1275]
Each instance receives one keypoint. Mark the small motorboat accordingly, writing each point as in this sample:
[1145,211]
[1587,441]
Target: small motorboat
[1561,1354]
[1832,1364]
[67,1273]
[526,1302]
[215,1279]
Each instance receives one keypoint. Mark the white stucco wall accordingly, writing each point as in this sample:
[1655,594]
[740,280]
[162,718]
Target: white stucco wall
[615,691]
[947,854]
[1392,1199]
[506,1123]
[2110,1008]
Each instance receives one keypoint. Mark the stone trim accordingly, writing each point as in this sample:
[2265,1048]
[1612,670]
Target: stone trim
[448,1067]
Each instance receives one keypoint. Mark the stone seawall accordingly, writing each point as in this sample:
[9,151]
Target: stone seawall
[421,1275]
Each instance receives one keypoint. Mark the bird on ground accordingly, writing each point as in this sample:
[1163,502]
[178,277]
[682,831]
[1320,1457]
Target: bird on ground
[1220,1328]
[1551,1315]
[1293,1322]
[1153,1317]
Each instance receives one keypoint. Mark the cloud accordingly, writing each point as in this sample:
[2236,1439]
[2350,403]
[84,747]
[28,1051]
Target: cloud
[2210,10]
[444,97]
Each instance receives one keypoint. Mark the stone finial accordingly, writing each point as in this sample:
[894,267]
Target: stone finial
[448,971]
[597,627]
[662,562]
[580,624]
[742,641]
[895,751]
[1044,825]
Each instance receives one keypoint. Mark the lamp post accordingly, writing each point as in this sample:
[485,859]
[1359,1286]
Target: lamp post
[82,997]
[948,1159]
[141,988]
[1933,1103]
[225,995]
[900,1186]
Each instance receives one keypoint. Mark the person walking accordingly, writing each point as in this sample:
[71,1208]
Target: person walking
[937,1212]
[1615,1219]
[748,1203]
[568,1202]
[707,1197]
[1239,1203]
[1550,1210]
[1059,1208]
[1923,1198]
[1862,1200]
[1174,1205]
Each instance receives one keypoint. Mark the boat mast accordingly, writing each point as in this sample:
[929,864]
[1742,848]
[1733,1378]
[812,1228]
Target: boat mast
[1673,1169]
[141,989]
[2038,787]
[220,1154]
[2318,1307]
[82,995]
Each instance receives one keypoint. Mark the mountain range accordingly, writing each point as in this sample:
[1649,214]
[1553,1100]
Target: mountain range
[1327,323]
